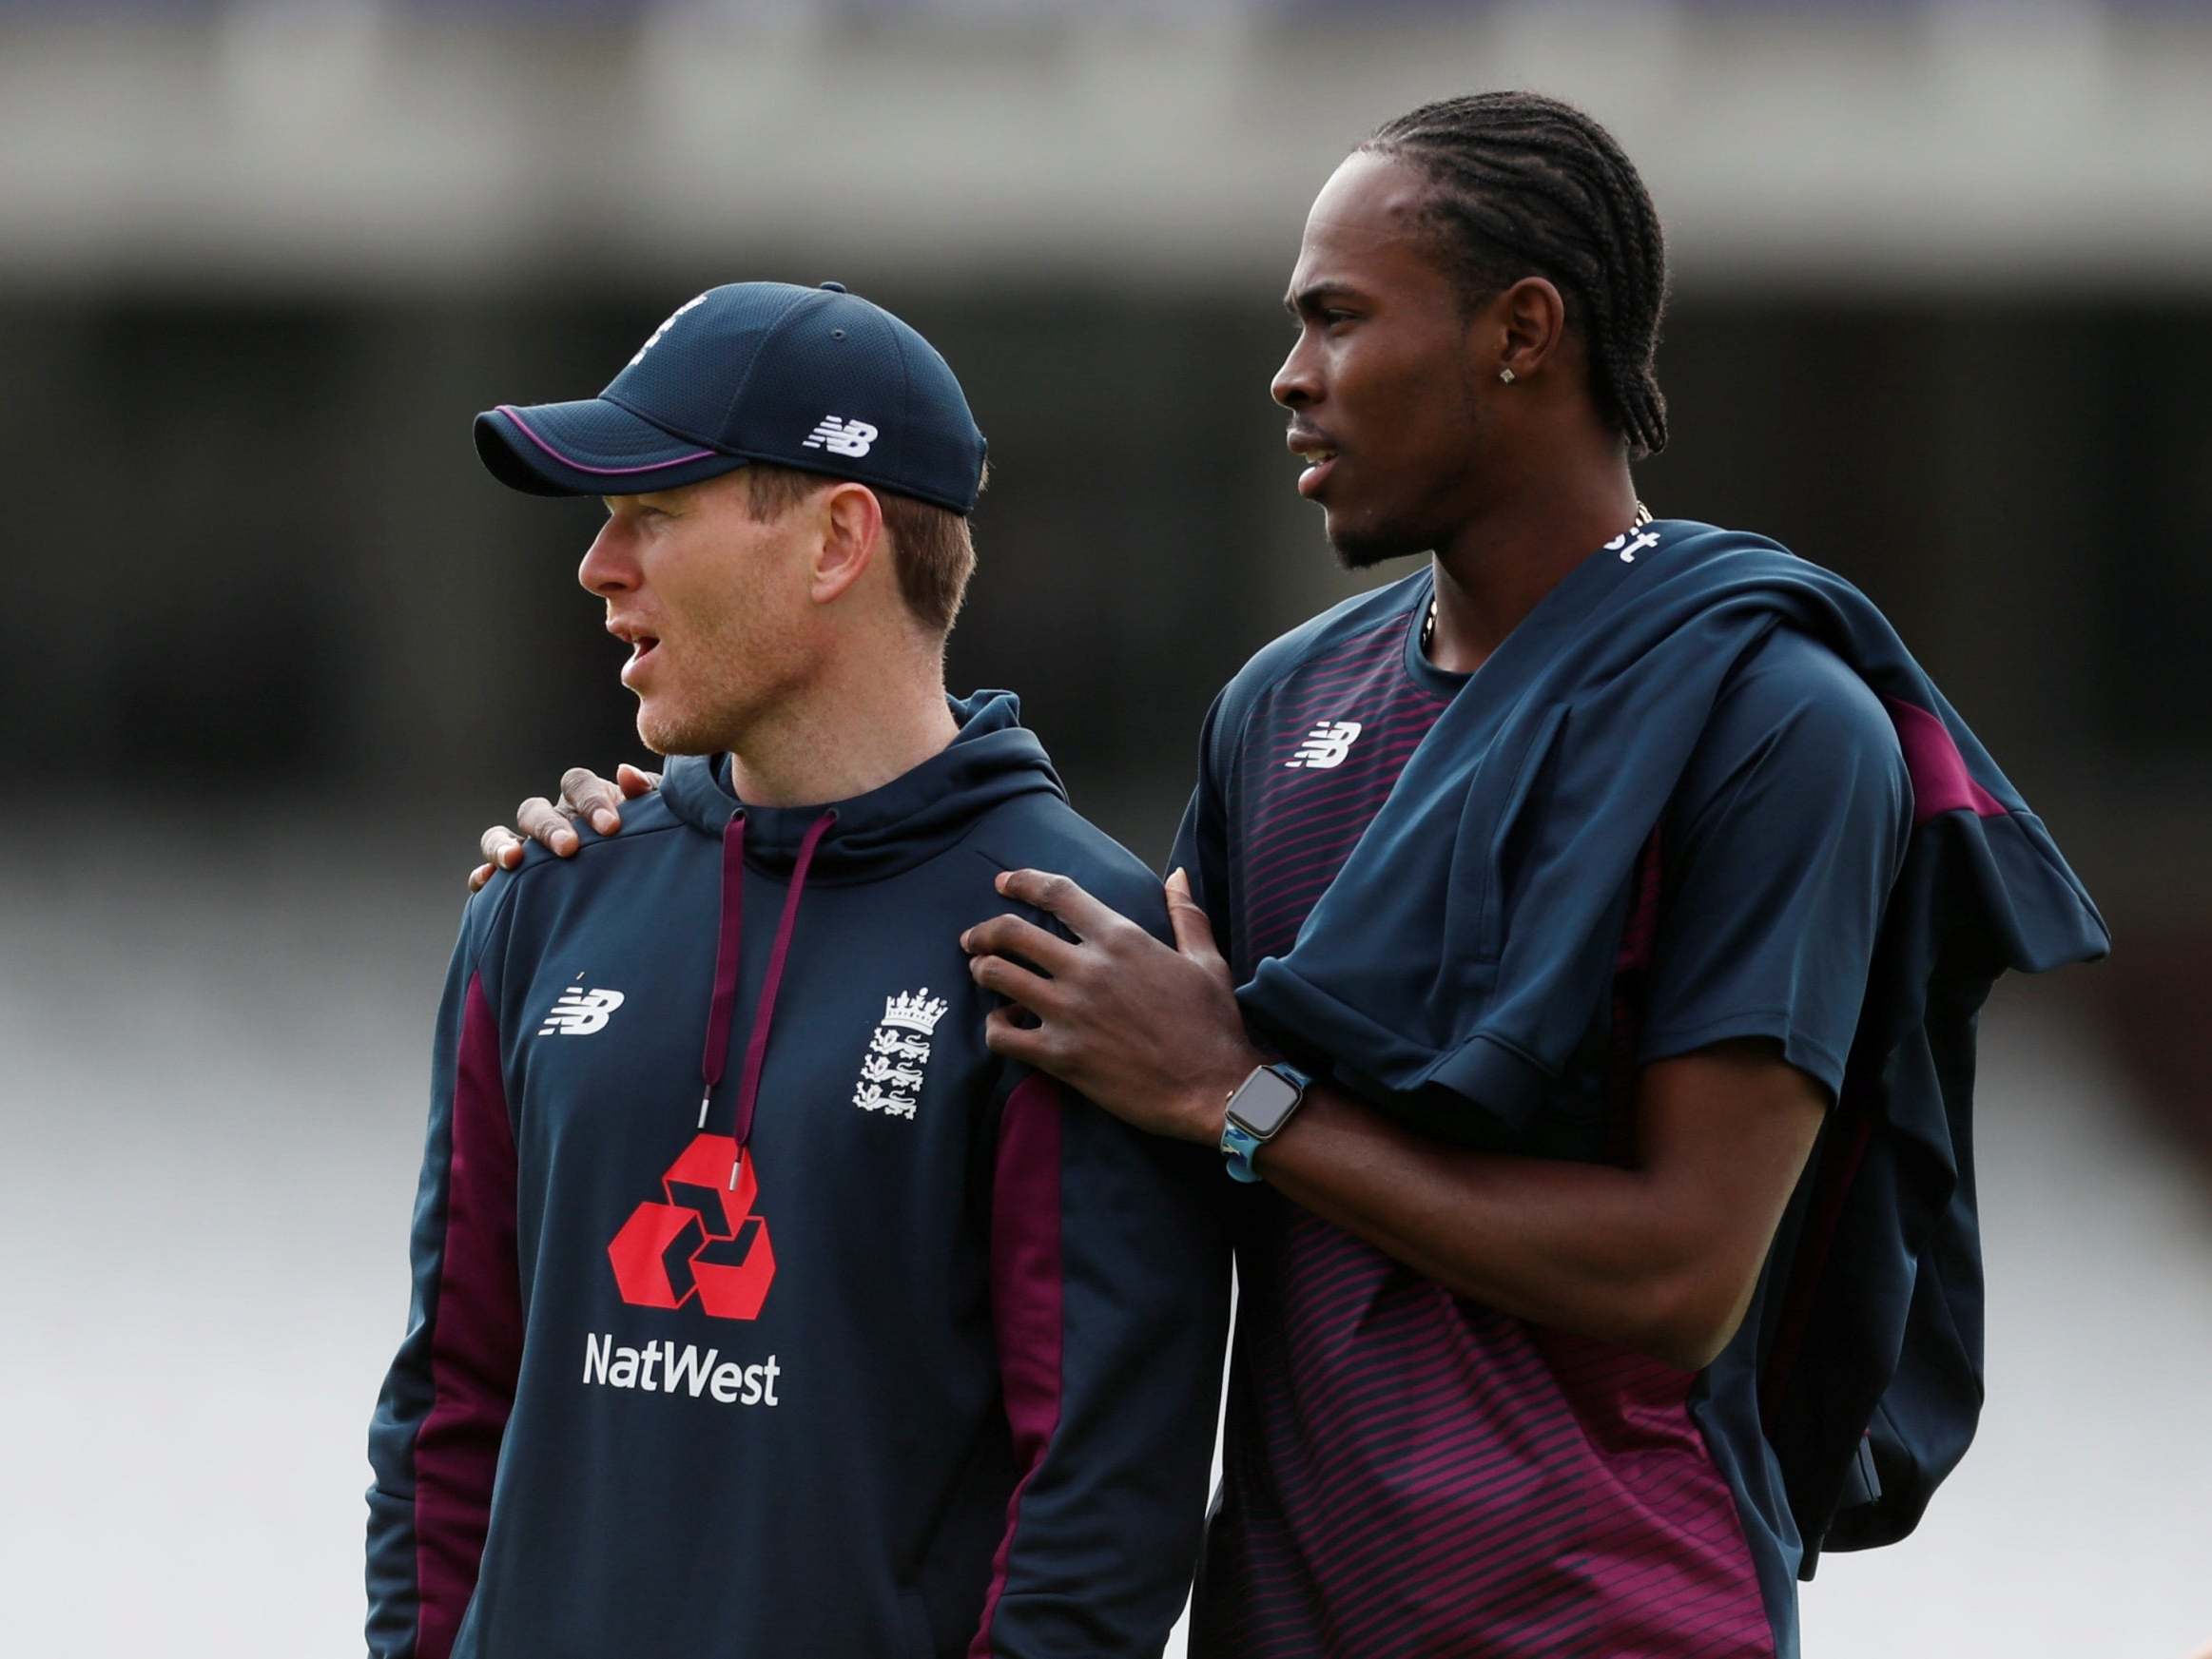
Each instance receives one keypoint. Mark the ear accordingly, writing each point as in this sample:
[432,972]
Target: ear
[1531,321]
[852,534]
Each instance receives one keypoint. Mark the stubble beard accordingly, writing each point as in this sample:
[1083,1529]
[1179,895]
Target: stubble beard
[697,720]
[696,727]
[1366,548]
[671,735]
[716,718]
[1360,545]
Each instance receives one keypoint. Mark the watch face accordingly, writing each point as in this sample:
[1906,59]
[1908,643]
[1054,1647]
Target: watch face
[1262,1102]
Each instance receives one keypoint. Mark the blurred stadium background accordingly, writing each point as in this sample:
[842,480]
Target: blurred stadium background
[277,649]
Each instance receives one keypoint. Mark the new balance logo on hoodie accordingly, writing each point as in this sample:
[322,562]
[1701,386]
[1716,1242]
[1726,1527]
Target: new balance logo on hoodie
[579,1013]
[844,437]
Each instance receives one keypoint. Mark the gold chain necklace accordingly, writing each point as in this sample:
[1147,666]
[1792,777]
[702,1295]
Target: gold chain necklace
[1429,622]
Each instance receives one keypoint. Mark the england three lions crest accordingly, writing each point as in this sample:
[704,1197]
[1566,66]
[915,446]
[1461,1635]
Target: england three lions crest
[891,1070]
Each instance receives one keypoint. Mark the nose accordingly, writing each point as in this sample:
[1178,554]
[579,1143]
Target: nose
[609,566]
[1297,383]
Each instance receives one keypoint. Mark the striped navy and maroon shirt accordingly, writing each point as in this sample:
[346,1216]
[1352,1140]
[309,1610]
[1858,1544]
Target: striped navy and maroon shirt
[1407,1471]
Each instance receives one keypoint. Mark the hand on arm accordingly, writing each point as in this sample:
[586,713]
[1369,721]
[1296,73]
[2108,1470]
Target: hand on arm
[1663,1256]
[585,795]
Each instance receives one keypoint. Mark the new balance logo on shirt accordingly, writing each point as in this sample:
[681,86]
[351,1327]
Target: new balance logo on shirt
[1326,745]
[843,437]
[579,1013]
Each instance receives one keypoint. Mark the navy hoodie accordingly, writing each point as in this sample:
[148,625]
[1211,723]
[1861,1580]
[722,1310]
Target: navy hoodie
[759,1308]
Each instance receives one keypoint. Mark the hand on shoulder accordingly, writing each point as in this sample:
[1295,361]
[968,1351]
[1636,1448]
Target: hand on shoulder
[585,795]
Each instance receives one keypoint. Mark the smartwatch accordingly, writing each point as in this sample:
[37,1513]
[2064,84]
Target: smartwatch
[1258,1109]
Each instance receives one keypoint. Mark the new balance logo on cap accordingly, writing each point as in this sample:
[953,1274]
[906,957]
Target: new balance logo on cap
[579,1013]
[843,437]
[1326,745]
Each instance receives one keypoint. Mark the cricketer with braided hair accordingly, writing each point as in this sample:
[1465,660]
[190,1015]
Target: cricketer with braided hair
[1579,942]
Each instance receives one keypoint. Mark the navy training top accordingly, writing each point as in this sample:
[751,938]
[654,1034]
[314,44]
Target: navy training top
[758,1307]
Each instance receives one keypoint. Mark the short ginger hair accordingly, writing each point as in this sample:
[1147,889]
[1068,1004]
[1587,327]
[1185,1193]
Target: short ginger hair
[932,548]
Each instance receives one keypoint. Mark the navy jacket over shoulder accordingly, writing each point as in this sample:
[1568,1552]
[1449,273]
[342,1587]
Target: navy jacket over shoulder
[758,1307]
[1462,955]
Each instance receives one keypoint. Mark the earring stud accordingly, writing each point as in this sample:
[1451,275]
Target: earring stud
[1506,376]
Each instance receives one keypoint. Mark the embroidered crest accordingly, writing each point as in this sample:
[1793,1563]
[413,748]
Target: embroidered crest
[890,1080]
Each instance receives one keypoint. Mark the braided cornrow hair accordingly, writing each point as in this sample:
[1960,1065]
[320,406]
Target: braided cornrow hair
[1526,185]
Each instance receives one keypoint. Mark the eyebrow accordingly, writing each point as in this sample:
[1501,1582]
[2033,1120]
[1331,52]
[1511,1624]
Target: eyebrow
[1312,297]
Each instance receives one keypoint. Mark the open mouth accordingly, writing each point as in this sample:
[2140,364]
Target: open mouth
[642,646]
[1317,453]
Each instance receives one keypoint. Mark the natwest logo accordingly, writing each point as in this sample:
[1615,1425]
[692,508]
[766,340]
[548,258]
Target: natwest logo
[705,1241]
[664,1368]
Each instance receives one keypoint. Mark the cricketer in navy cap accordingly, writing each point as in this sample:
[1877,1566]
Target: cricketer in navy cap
[816,379]
[921,1356]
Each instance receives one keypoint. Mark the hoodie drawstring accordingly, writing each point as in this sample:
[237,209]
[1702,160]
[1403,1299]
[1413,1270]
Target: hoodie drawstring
[725,965]
[719,1005]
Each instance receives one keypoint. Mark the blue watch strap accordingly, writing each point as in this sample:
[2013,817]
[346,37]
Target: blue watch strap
[1237,1146]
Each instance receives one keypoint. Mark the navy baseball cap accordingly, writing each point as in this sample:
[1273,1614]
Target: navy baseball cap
[816,379]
